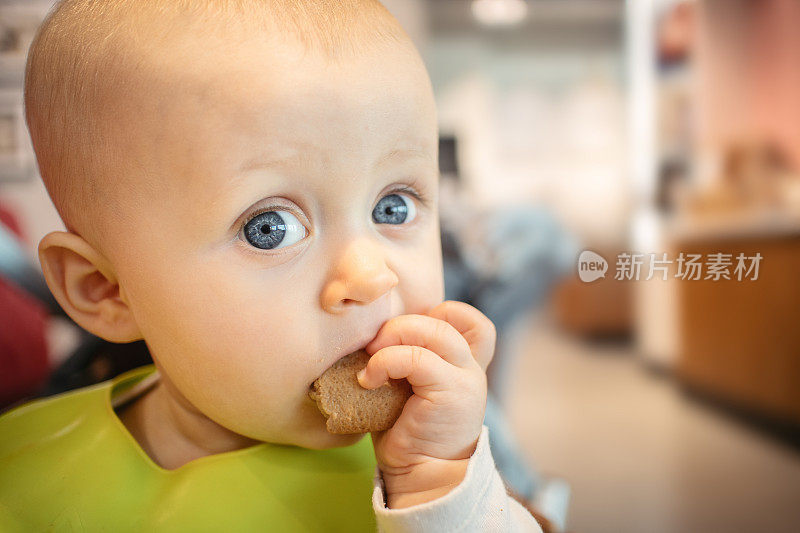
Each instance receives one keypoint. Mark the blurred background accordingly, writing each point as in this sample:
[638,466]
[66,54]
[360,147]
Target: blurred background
[645,127]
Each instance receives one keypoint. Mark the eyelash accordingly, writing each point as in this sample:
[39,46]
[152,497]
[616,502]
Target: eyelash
[420,197]
[411,192]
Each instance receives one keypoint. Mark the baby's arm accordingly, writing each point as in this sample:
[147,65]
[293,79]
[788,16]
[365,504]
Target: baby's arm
[434,464]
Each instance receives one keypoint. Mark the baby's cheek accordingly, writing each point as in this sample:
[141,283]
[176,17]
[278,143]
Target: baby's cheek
[424,292]
[422,282]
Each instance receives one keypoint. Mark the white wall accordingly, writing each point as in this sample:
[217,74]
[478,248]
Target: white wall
[538,125]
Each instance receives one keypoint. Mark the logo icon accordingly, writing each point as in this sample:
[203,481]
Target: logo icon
[591,266]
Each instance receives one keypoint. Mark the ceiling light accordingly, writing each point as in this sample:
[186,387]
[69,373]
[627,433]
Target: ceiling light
[499,12]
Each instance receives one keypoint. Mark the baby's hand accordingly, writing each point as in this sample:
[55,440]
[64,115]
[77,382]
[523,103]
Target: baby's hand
[444,356]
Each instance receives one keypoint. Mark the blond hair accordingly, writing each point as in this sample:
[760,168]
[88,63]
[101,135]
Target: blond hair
[87,54]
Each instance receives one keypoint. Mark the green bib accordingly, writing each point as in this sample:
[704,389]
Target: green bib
[67,463]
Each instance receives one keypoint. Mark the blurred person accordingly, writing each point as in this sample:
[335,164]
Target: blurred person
[504,261]
[24,362]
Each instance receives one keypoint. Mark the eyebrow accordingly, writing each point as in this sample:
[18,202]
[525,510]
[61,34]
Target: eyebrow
[265,162]
[400,152]
[261,162]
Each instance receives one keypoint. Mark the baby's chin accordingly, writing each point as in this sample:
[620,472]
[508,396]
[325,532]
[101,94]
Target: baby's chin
[322,440]
[314,434]
[306,428]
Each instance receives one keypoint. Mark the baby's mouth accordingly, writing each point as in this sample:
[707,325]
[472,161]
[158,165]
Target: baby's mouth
[313,392]
[359,344]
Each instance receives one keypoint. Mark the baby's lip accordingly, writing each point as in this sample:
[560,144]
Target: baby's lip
[360,343]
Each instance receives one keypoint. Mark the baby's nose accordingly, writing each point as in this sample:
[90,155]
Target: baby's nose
[361,276]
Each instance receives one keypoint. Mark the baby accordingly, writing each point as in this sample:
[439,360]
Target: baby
[250,186]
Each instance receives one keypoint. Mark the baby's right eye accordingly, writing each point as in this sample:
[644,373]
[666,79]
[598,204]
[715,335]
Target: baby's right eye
[274,229]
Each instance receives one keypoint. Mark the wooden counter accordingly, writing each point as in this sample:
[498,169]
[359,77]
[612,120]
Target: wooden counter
[740,340]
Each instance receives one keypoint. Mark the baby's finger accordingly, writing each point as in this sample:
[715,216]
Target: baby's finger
[420,366]
[474,326]
[419,330]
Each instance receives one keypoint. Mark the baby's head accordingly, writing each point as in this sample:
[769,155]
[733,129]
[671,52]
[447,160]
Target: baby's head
[239,179]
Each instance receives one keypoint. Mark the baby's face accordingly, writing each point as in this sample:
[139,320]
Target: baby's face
[276,229]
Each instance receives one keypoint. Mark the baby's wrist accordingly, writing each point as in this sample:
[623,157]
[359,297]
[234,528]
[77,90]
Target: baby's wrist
[424,481]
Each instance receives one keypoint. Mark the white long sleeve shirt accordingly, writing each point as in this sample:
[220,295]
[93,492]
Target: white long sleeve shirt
[479,503]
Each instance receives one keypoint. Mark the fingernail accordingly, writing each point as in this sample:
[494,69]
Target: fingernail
[360,375]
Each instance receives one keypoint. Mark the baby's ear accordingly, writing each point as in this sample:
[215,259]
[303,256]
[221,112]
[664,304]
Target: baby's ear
[86,287]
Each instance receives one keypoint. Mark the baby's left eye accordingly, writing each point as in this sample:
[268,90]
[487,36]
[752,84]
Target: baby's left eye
[394,208]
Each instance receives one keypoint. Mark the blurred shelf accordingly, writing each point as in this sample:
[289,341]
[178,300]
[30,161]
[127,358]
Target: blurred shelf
[738,226]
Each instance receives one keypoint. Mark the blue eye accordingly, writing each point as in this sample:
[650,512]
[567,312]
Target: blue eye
[394,209]
[270,230]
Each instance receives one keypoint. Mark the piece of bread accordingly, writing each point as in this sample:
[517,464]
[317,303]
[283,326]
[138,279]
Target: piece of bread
[348,406]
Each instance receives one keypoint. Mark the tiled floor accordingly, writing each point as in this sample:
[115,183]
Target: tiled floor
[640,455]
